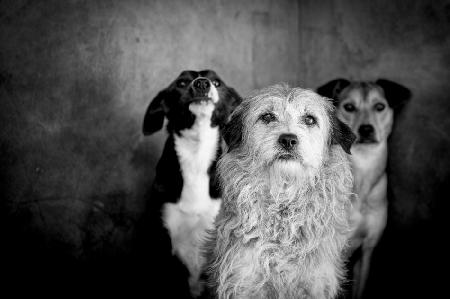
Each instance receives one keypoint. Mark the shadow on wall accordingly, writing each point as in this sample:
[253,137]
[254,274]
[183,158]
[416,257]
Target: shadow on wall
[68,180]
[74,173]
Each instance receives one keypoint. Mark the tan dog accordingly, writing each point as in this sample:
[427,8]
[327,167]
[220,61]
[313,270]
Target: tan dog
[368,108]
[287,183]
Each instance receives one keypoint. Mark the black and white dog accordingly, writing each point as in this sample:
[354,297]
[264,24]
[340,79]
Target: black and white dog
[185,196]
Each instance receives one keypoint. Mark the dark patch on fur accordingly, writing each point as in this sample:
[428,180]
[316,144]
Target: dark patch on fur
[153,242]
[214,185]
[173,102]
[342,134]
[232,133]
[396,94]
[154,116]
[224,109]
[168,181]
[333,88]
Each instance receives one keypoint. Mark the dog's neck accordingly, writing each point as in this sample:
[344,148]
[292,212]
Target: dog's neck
[196,149]
[368,164]
[194,213]
[279,241]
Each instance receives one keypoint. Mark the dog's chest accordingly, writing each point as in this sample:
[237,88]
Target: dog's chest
[194,213]
[370,183]
[196,149]
[368,165]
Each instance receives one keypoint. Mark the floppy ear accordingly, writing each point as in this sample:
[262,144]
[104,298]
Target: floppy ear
[396,95]
[333,88]
[226,107]
[232,132]
[237,99]
[342,134]
[154,117]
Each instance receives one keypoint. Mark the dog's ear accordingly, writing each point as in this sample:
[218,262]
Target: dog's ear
[154,117]
[236,98]
[333,88]
[225,107]
[232,132]
[396,95]
[342,134]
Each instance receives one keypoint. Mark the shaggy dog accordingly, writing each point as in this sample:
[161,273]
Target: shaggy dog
[287,183]
[185,196]
[369,109]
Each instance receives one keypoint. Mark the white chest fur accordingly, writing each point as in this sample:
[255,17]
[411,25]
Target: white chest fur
[194,213]
[368,163]
[369,215]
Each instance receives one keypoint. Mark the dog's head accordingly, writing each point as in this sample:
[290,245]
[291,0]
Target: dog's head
[291,128]
[368,107]
[190,88]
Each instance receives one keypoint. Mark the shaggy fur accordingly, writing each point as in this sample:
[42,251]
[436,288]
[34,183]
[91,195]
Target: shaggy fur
[283,222]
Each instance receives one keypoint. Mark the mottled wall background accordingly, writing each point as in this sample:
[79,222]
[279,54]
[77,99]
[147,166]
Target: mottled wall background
[76,77]
[407,42]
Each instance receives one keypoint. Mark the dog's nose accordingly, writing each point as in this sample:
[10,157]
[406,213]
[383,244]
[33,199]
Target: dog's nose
[366,130]
[201,84]
[288,141]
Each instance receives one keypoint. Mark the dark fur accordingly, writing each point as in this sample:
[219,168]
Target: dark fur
[169,275]
[396,95]
[342,134]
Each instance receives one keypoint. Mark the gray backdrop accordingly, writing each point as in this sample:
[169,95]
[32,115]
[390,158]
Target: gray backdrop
[77,76]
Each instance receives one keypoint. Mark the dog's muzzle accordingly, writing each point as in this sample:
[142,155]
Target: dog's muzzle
[366,134]
[200,89]
[288,143]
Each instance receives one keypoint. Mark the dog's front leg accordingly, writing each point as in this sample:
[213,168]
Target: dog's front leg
[362,268]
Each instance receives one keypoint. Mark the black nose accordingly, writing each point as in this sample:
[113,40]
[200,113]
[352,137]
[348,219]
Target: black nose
[366,130]
[201,85]
[288,141]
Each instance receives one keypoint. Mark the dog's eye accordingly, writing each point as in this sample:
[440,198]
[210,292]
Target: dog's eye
[268,117]
[349,107]
[310,120]
[216,83]
[182,83]
[379,106]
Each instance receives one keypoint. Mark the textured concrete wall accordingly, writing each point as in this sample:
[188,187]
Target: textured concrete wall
[76,77]
[407,42]
[75,80]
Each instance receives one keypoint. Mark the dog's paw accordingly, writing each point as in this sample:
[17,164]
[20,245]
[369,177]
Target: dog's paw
[197,286]
[202,108]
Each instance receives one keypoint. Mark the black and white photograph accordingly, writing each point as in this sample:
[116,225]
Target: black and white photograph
[203,149]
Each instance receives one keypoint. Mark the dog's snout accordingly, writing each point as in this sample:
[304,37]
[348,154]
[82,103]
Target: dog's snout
[288,141]
[201,84]
[366,130]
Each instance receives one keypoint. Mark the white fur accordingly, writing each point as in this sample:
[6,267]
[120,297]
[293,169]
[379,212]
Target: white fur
[283,225]
[213,94]
[188,220]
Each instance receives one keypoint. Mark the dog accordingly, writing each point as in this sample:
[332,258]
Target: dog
[368,108]
[286,183]
[185,196]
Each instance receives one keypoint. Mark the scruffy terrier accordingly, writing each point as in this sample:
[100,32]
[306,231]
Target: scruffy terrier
[286,186]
